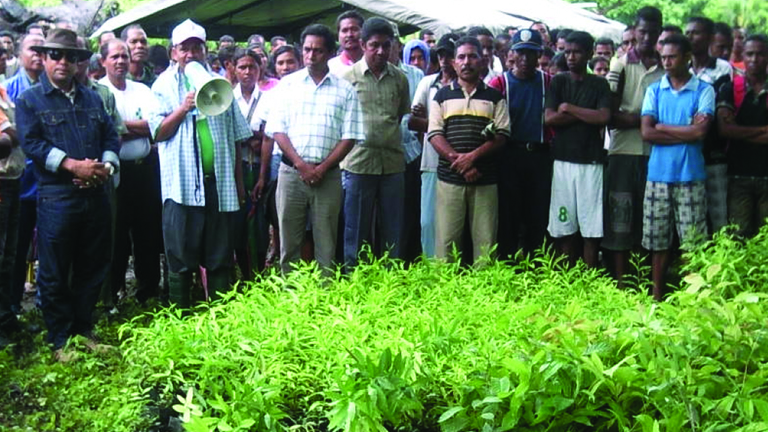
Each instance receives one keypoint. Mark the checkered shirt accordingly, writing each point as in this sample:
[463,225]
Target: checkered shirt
[315,117]
[182,175]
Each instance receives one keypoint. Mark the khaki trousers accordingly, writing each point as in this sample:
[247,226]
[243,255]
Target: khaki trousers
[296,202]
[454,203]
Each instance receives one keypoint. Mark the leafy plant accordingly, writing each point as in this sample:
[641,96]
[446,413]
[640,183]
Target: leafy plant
[526,346]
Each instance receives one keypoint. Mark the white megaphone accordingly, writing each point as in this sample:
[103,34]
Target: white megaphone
[214,94]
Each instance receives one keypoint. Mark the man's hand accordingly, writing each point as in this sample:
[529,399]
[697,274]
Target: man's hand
[88,172]
[189,102]
[258,189]
[563,108]
[308,173]
[241,193]
[463,162]
[700,118]
[472,175]
[419,111]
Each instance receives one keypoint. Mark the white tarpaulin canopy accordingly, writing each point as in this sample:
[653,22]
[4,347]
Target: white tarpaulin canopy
[288,17]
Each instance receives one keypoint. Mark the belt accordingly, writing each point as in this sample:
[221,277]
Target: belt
[139,161]
[531,146]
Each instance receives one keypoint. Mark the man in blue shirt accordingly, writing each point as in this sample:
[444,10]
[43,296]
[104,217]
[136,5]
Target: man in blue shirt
[526,178]
[65,131]
[676,115]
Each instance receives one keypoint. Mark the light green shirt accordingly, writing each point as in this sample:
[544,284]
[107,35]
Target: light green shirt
[384,100]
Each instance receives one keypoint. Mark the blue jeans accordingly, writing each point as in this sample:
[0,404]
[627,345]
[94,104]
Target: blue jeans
[74,245]
[364,193]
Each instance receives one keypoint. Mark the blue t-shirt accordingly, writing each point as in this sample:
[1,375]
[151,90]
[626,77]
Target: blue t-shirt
[525,100]
[684,162]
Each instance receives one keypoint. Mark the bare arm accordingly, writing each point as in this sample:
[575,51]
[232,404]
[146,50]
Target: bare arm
[338,153]
[418,124]
[136,129]
[443,148]
[466,161]
[621,119]
[171,123]
[267,144]
[760,139]
[728,128]
[289,151]
[556,118]
[651,133]
[693,132]
[597,117]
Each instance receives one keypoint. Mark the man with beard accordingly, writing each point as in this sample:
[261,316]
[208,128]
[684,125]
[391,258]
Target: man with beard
[348,25]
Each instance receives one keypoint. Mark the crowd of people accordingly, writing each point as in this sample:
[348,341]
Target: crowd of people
[466,145]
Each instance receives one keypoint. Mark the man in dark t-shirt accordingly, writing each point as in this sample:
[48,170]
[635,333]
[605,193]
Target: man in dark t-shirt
[468,121]
[742,115]
[578,108]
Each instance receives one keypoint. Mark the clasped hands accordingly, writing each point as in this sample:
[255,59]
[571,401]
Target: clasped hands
[311,174]
[463,163]
[88,172]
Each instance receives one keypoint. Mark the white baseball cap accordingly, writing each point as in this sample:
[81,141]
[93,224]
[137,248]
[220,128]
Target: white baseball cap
[187,30]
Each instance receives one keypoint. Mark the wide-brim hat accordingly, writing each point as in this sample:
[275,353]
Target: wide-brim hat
[62,39]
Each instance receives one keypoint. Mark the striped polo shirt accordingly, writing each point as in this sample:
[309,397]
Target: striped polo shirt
[468,121]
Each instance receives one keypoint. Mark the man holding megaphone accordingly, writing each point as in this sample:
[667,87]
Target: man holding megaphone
[197,130]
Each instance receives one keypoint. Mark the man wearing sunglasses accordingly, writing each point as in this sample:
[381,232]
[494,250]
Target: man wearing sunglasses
[72,142]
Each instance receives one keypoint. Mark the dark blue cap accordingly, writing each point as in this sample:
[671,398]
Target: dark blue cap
[527,39]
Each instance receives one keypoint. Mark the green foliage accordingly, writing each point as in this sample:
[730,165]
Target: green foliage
[524,347]
[752,14]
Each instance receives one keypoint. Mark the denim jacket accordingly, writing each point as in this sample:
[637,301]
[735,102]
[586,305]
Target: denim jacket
[50,127]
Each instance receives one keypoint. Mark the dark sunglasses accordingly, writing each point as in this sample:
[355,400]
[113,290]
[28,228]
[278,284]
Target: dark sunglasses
[57,54]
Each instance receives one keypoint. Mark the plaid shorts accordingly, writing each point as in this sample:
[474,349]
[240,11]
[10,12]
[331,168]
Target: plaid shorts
[684,204]
[717,196]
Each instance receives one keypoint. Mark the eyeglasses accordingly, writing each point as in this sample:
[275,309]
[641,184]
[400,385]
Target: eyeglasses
[57,54]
